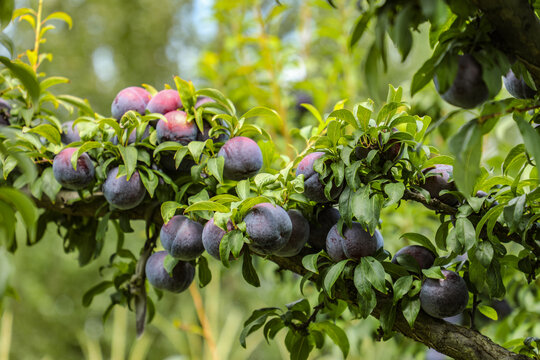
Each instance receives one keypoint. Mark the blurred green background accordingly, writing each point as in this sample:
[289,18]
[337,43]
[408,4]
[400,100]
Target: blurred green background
[256,53]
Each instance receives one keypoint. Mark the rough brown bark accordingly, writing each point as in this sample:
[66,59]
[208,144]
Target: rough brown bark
[459,342]
[517,28]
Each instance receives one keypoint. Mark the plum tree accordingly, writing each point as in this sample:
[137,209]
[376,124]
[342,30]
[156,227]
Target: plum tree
[182,238]
[438,179]
[468,89]
[299,234]
[354,243]
[212,235]
[243,158]
[420,254]
[321,225]
[446,297]
[177,281]
[5,112]
[176,128]
[269,227]
[69,177]
[121,193]
[313,187]
[131,98]
[164,101]
[517,87]
[70,133]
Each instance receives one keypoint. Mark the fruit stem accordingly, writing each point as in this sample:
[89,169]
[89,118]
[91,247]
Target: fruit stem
[203,319]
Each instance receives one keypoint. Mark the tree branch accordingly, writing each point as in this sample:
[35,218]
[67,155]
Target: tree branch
[518,30]
[459,342]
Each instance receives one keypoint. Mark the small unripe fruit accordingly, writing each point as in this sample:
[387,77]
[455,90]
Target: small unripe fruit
[269,227]
[123,194]
[243,158]
[182,238]
[180,279]
[164,101]
[132,98]
[67,176]
[446,297]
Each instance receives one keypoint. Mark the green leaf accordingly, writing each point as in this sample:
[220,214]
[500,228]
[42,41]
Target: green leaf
[95,290]
[129,156]
[360,28]
[6,11]
[531,138]
[410,309]
[369,300]
[488,311]
[420,239]
[168,146]
[215,167]
[83,105]
[168,209]
[346,115]
[264,112]
[205,276]
[255,321]
[7,42]
[395,192]
[48,131]
[207,206]
[433,272]
[310,262]
[26,75]
[402,287]
[334,332]
[242,189]
[466,146]
[196,148]
[23,205]
[186,90]
[374,272]
[301,347]
[332,275]
[59,15]
[169,263]
[465,233]
[366,207]
[249,272]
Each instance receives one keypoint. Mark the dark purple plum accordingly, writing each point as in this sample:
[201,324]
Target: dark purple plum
[132,98]
[67,176]
[313,187]
[123,194]
[439,180]
[212,235]
[176,128]
[243,158]
[70,133]
[446,297]
[182,238]
[299,235]
[423,256]
[355,242]
[164,101]
[468,89]
[318,230]
[302,98]
[269,227]
[517,87]
[5,112]
[180,279]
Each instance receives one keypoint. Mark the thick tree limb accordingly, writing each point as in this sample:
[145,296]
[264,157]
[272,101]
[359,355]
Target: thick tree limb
[456,341]
[518,30]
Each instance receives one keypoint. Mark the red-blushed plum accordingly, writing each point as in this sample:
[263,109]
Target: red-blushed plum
[182,238]
[164,101]
[468,89]
[67,176]
[269,227]
[243,158]
[132,98]
[446,297]
[70,133]
[422,255]
[355,242]
[439,180]
[123,194]
[212,235]
[5,112]
[318,230]
[299,235]
[517,87]
[176,128]
[313,187]
[180,279]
